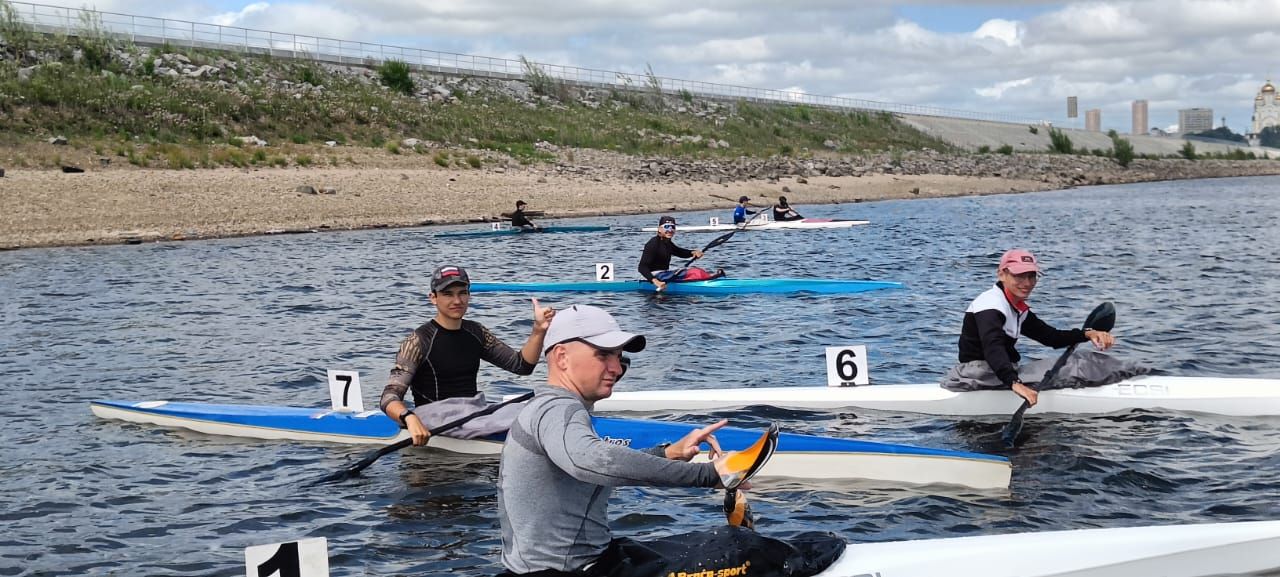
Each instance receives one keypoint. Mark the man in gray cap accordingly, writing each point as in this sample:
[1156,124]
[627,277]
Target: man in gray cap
[557,475]
[441,359]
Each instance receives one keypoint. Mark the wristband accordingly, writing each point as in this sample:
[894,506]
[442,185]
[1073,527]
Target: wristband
[404,418]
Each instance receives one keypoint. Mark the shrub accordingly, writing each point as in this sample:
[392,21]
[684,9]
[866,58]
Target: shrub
[441,158]
[302,160]
[259,156]
[1059,142]
[299,139]
[1123,150]
[1188,150]
[984,149]
[395,75]
[1033,130]
[393,148]
[1006,149]
[473,161]
[279,161]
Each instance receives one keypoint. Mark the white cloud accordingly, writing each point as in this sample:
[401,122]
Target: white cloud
[235,18]
[997,90]
[1008,32]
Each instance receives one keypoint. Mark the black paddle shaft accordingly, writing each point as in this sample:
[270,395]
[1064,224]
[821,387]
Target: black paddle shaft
[1103,318]
[365,462]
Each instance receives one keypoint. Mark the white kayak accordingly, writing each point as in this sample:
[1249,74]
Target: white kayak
[1166,551]
[1216,395]
[808,223]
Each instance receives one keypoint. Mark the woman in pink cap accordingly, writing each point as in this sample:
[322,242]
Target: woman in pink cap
[994,321]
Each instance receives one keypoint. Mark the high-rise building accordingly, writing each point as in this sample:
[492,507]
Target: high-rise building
[1093,120]
[1192,120]
[1139,117]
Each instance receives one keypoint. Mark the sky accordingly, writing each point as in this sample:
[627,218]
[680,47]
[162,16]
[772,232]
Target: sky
[1017,58]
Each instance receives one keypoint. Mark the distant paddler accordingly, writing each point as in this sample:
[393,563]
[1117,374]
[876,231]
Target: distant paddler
[656,258]
[998,317]
[783,212]
[440,360]
[741,211]
[557,476]
[520,220]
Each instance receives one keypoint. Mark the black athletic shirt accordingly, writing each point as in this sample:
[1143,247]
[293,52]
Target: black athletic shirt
[657,256]
[518,219]
[437,363]
[991,329]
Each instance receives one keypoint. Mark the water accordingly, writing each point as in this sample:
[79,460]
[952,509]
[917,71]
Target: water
[1191,267]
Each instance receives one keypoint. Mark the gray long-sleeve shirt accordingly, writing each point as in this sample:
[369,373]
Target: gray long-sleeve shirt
[555,481]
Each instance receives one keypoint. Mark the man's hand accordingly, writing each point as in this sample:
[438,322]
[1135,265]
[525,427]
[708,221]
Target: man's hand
[661,285]
[687,448]
[697,254]
[417,430]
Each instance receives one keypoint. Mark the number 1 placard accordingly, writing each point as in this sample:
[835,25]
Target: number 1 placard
[305,558]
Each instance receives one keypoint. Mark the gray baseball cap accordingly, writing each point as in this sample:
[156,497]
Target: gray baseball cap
[445,276]
[593,325]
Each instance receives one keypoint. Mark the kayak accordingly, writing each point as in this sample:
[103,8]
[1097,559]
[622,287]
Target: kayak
[798,456]
[509,231]
[720,286]
[1169,551]
[1216,395]
[808,223]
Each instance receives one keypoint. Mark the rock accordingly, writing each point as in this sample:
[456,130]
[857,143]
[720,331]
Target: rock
[410,143]
[328,190]
[541,179]
[713,144]
[786,189]
[724,144]
[252,140]
[802,180]
[331,143]
[915,190]
[305,189]
[137,88]
[1,173]
[24,74]
[833,145]
[58,140]
[72,169]
[500,170]
[104,161]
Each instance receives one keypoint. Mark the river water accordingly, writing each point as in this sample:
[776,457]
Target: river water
[1191,266]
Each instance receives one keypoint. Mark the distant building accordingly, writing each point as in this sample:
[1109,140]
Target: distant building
[1139,117]
[1093,120]
[1266,112]
[1193,120]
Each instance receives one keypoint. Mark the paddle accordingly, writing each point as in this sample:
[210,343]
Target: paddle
[1103,318]
[749,203]
[744,465]
[365,462]
[717,241]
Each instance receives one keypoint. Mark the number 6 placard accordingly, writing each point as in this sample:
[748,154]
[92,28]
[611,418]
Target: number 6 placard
[847,366]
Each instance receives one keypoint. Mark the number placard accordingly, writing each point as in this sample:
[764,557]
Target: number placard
[344,389]
[604,271]
[713,221]
[847,366]
[305,558]
[495,226]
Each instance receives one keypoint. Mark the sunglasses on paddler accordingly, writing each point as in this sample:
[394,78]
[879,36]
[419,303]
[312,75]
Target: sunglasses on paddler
[668,227]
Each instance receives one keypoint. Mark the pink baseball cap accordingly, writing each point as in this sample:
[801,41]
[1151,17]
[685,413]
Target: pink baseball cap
[1018,261]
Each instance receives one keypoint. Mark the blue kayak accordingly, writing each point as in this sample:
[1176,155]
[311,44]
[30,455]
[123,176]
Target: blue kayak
[508,231]
[802,456]
[720,286]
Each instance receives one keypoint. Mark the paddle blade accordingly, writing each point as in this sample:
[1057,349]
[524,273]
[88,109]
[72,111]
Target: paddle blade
[1103,318]
[742,465]
[1011,431]
[736,509]
[363,463]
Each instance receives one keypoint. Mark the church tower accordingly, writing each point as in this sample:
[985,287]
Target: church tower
[1266,111]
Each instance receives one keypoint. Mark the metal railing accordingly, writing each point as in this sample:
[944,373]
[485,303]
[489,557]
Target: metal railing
[181,33]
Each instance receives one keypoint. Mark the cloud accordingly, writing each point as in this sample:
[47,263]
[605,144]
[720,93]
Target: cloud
[997,90]
[1006,31]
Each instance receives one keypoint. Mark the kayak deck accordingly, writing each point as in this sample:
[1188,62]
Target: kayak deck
[805,224]
[707,287]
[1223,396]
[1170,551]
[799,456]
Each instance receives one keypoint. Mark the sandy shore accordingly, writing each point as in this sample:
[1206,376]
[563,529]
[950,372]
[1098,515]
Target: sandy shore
[50,208]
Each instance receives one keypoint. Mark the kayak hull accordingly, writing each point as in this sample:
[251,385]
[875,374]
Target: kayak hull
[508,231]
[720,286]
[806,224]
[799,456]
[1223,396]
[1169,551]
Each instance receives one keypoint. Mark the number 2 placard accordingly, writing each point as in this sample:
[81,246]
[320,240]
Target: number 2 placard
[847,366]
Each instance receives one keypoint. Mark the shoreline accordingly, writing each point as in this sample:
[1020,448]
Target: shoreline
[47,208]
